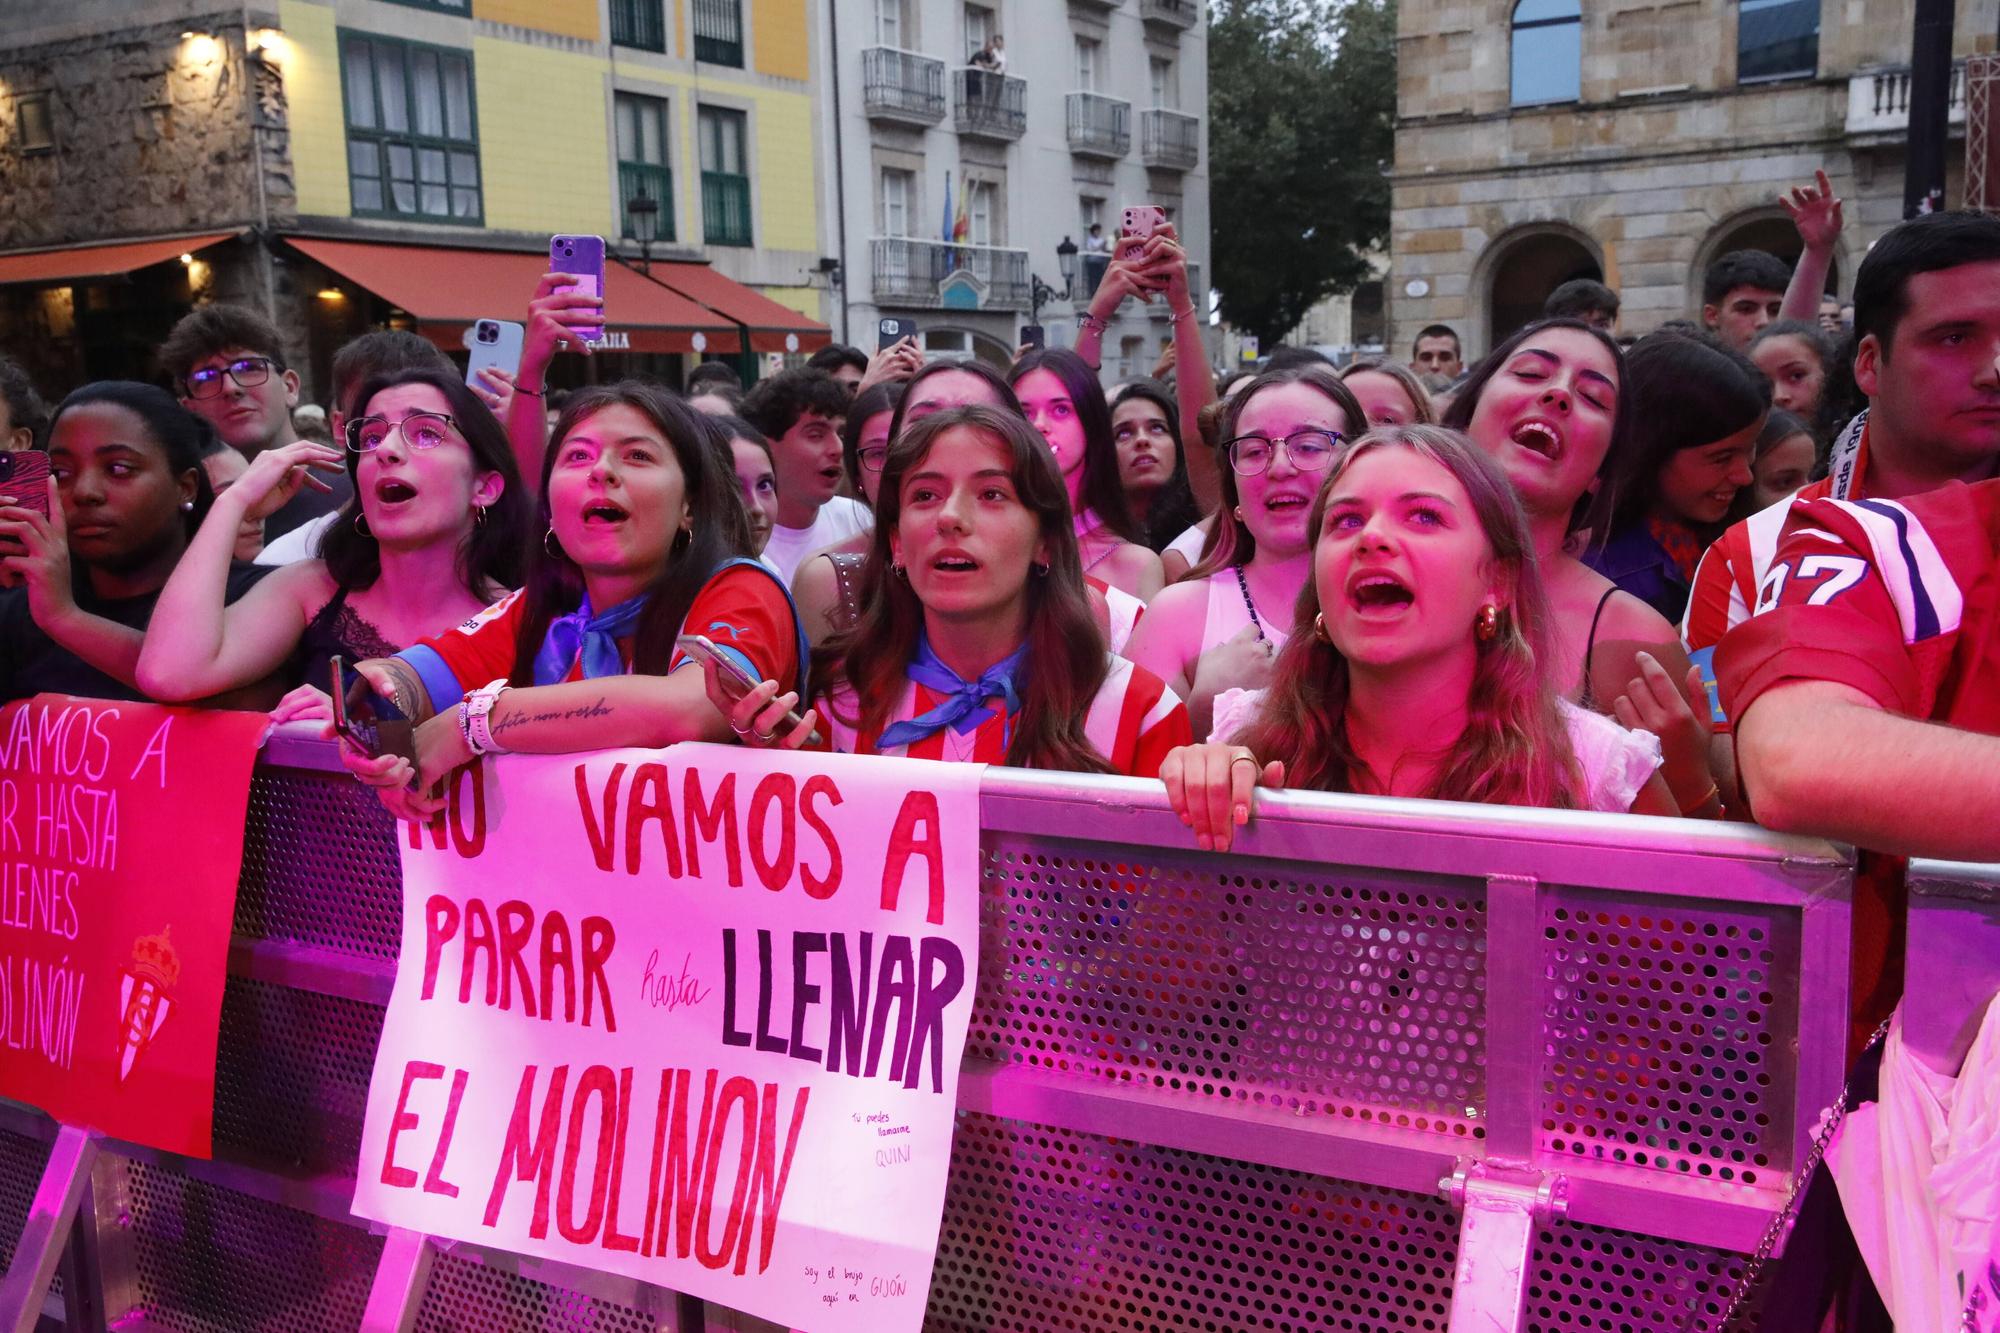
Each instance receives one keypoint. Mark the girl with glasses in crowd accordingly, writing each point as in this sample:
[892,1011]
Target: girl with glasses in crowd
[827,586]
[85,557]
[1413,667]
[433,535]
[1064,401]
[1222,626]
[642,533]
[1548,405]
[977,641]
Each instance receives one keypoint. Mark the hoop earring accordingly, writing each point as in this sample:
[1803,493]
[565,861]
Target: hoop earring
[1486,625]
[899,571]
[554,552]
[682,540]
[361,523]
[1319,628]
[479,516]
[1039,571]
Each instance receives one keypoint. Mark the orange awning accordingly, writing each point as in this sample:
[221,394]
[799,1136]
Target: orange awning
[81,262]
[446,288]
[770,322]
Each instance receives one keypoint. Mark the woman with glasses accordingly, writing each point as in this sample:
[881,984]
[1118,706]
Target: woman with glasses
[977,642]
[1221,627]
[641,536]
[827,586]
[1414,664]
[434,534]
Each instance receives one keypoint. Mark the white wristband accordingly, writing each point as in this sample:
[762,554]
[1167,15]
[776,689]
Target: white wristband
[474,718]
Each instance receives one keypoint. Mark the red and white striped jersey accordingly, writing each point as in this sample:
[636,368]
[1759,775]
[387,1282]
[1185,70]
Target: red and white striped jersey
[1134,720]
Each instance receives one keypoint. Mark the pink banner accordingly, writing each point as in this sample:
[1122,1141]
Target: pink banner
[693,1016]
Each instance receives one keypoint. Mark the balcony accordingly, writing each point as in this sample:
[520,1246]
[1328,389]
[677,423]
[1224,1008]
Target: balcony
[934,275]
[1878,102]
[1181,14]
[902,86]
[989,106]
[1169,139]
[1099,126]
[725,208]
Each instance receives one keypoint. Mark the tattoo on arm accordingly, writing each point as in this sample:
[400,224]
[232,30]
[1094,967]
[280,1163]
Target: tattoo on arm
[406,688]
[598,708]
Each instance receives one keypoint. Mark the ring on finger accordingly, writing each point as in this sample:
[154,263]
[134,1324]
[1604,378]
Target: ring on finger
[764,737]
[741,731]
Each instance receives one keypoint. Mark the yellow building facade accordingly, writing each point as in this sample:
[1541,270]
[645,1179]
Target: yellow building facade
[526,118]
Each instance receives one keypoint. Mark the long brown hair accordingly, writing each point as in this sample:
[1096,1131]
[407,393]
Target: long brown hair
[1229,542]
[1067,653]
[1515,748]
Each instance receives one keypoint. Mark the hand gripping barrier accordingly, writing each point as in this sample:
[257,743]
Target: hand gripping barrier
[1387,1065]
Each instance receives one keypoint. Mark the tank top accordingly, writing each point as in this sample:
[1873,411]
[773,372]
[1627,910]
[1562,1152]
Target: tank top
[1229,613]
[337,630]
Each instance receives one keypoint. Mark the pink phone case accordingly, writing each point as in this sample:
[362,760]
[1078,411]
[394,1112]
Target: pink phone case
[583,257]
[1139,224]
[25,477]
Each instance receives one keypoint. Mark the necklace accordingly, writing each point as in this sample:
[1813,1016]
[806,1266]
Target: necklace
[1256,621]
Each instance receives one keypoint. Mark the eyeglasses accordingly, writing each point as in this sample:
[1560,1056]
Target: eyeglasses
[421,430]
[874,456]
[249,372]
[1309,450]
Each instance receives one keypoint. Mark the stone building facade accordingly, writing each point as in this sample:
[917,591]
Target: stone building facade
[1634,141]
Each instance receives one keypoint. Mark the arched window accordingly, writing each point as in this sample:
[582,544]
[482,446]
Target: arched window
[1548,51]
[1777,39]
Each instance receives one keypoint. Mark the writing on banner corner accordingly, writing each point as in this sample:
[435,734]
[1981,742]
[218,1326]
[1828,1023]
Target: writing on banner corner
[692,1016]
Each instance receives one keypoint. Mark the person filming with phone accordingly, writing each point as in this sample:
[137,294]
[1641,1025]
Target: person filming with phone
[87,544]
[642,533]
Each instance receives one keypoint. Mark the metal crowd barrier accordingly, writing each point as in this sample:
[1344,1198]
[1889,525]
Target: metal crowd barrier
[1386,1066]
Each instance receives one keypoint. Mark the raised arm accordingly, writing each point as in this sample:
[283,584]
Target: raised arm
[1824,759]
[1816,213]
[1194,381]
[43,567]
[204,646]
[551,315]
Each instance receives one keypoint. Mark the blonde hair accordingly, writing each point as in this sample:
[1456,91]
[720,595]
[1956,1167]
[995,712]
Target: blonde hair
[1515,749]
[1413,388]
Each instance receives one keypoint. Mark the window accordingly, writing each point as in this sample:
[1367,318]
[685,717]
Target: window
[1777,39]
[1548,51]
[1090,213]
[725,181]
[979,27]
[640,23]
[718,32]
[412,142]
[33,123]
[642,160]
[1087,51]
[889,23]
[1166,87]
[980,207]
[897,187]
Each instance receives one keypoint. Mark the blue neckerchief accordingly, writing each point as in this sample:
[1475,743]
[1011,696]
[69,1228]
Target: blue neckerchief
[962,709]
[592,637]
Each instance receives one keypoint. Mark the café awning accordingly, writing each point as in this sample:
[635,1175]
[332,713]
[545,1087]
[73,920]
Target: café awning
[81,263]
[446,288]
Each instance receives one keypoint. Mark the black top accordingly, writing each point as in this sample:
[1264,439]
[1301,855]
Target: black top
[309,504]
[33,663]
[338,630]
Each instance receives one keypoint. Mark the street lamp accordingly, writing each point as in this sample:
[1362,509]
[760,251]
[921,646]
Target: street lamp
[1066,257]
[644,211]
[1039,295]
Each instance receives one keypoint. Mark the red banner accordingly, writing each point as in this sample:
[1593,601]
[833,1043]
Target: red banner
[121,837]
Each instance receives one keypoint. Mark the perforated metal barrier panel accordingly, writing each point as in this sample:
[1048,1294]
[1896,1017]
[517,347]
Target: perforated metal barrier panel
[1202,1092]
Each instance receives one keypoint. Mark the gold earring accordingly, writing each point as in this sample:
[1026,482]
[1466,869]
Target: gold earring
[1486,625]
[1319,628]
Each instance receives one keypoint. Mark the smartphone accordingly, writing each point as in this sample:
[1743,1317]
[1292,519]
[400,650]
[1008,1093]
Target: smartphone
[1034,335]
[1139,223]
[369,722]
[495,343]
[734,678]
[892,330]
[25,476]
[583,258]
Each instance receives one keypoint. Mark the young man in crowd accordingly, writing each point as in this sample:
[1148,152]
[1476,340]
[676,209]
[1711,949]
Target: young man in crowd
[1922,297]
[846,364]
[1741,293]
[801,412]
[382,352]
[228,366]
[1584,299]
[1436,352]
[23,416]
